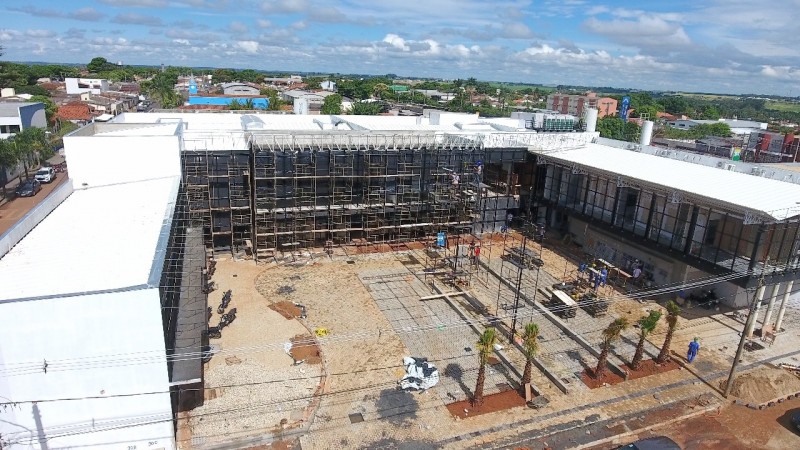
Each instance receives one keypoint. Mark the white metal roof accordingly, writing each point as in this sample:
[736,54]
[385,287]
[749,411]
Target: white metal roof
[777,200]
[98,239]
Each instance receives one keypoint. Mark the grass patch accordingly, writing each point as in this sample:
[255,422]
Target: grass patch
[783,106]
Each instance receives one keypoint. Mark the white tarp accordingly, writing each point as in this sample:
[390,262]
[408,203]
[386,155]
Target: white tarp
[420,374]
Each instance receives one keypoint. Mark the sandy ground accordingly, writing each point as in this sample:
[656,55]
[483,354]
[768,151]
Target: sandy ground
[359,405]
[764,384]
[251,383]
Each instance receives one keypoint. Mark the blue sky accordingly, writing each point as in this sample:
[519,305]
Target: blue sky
[733,46]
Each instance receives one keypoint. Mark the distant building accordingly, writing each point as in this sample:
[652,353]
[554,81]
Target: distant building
[766,146]
[738,127]
[293,79]
[81,85]
[75,112]
[239,89]
[227,100]
[577,104]
[328,85]
[18,116]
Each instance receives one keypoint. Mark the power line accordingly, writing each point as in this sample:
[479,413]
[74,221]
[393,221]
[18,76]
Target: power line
[78,363]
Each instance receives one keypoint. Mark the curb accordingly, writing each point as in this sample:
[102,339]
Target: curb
[767,404]
[647,428]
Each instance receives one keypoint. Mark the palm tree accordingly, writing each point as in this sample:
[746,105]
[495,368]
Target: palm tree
[530,346]
[673,310]
[646,326]
[485,347]
[610,335]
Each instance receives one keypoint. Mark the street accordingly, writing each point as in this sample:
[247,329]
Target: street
[15,209]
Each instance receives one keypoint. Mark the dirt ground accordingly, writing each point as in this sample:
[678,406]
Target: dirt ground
[764,384]
[286,309]
[491,403]
[649,367]
[609,378]
[735,427]
[305,348]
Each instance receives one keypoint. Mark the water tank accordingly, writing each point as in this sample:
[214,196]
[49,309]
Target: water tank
[591,120]
[647,132]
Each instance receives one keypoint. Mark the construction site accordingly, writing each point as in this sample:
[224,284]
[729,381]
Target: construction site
[346,252]
[386,282]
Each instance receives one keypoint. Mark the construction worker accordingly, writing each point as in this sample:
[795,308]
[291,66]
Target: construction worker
[694,347]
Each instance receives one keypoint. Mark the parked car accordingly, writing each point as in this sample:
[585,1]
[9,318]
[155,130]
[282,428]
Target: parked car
[45,175]
[653,443]
[28,188]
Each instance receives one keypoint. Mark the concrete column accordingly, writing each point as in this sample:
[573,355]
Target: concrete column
[759,298]
[771,304]
[785,301]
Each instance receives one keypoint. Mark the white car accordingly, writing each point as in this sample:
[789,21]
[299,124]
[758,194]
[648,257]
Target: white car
[45,175]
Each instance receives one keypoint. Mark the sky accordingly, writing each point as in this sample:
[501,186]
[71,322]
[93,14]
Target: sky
[730,46]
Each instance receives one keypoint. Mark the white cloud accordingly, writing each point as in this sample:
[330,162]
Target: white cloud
[40,33]
[263,23]
[248,46]
[181,41]
[396,42]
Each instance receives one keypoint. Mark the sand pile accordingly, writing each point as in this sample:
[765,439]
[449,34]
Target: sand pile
[765,384]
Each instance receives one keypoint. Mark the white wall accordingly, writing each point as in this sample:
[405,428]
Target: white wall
[101,160]
[119,337]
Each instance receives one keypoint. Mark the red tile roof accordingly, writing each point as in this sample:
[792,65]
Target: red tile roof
[74,111]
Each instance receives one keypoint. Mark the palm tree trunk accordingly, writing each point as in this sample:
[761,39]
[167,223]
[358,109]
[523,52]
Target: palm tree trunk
[526,376]
[637,356]
[601,361]
[477,399]
[663,355]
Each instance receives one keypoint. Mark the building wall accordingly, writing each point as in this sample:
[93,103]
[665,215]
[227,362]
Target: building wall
[33,116]
[258,102]
[53,331]
[101,160]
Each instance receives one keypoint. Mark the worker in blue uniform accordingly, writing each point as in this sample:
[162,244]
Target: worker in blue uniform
[694,347]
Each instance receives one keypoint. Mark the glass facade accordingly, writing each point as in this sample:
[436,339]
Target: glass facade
[712,233]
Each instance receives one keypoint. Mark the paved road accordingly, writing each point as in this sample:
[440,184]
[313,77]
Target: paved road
[15,209]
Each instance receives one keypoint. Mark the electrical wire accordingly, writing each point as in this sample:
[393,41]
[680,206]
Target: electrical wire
[74,363]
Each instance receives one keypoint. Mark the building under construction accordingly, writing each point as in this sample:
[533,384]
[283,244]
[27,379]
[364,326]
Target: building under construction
[263,191]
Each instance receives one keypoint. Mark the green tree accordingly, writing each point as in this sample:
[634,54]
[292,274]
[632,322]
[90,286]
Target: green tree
[611,334]
[8,159]
[647,324]
[485,346]
[611,127]
[379,89]
[366,108]
[275,101]
[162,88]
[99,64]
[332,104]
[650,111]
[673,311]
[530,347]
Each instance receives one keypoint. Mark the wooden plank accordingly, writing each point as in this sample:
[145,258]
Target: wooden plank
[444,294]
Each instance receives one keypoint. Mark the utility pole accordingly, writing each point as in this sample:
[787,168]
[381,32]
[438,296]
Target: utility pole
[518,287]
[750,318]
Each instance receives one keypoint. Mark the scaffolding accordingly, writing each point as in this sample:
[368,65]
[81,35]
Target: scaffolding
[290,192]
